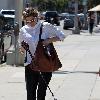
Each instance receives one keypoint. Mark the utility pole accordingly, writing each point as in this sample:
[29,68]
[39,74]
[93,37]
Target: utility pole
[19,60]
[85,14]
[18,16]
[76,29]
[18,12]
[13,55]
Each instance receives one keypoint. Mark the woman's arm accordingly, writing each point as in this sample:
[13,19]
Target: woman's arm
[21,50]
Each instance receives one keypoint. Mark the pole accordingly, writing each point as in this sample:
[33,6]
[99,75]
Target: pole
[18,25]
[0,48]
[85,14]
[16,31]
[18,12]
[96,15]
[76,27]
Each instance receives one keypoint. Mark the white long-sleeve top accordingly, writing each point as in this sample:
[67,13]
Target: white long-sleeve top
[31,35]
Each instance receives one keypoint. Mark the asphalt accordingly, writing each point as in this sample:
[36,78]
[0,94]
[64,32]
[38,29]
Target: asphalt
[78,79]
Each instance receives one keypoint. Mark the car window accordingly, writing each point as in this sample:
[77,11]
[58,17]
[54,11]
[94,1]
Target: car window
[9,20]
[51,14]
[1,21]
[71,17]
[8,12]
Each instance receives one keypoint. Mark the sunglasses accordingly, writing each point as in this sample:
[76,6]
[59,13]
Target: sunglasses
[32,20]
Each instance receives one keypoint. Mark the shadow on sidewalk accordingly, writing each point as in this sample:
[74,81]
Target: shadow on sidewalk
[68,72]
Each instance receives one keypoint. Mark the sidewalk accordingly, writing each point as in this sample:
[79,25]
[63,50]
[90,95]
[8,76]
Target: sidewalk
[76,80]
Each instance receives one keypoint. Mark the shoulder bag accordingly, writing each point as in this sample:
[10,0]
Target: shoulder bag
[45,58]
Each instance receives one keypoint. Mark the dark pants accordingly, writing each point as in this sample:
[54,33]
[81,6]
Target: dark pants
[91,27]
[34,79]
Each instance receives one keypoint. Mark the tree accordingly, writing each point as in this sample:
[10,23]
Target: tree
[92,3]
[42,5]
[59,5]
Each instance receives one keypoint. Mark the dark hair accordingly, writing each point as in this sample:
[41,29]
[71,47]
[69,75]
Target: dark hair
[30,12]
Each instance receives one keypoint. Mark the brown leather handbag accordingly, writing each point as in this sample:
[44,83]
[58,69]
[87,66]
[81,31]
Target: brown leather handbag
[46,58]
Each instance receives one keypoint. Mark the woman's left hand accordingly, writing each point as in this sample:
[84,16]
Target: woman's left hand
[50,40]
[46,42]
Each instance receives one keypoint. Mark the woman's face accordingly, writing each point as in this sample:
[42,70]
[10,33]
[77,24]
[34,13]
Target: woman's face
[31,21]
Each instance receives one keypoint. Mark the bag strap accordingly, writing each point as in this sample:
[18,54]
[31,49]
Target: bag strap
[39,40]
[40,31]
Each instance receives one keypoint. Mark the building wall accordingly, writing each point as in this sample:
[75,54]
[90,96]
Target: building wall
[7,4]
[11,4]
[3,4]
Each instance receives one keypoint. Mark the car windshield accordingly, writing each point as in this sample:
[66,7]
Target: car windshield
[8,12]
[64,14]
[51,14]
[9,21]
[71,17]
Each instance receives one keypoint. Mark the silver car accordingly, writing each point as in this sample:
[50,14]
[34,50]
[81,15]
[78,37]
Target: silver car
[69,21]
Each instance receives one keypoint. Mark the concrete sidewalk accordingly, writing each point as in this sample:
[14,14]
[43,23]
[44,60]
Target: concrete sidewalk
[76,80]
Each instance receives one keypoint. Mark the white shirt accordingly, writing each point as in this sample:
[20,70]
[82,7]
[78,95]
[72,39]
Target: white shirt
[31,35]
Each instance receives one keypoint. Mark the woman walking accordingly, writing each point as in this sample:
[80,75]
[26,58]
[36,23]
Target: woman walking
[91,20]
[29,33]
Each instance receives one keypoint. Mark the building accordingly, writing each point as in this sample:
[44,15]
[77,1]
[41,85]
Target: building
[7,4]
[11,4]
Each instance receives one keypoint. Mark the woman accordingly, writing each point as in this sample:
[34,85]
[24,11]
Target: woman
[30,34]
[91,19]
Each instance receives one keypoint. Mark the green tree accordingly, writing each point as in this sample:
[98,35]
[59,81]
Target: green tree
[92,3]
[43,5]
[60,4]
[34,2]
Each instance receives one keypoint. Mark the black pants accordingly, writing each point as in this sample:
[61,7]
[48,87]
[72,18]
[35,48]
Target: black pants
[91,27]
[36,84]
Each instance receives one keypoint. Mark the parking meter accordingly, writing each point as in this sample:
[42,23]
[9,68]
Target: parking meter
[16,33]
[16,29]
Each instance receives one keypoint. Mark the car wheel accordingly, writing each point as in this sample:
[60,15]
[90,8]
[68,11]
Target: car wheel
[58,24]
[64,27]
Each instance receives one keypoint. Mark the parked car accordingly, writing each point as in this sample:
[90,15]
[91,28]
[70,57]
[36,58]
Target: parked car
[42,15]
[9,23]
[63,15]
[1,37]
[8,12]
[81,17]
[2,22]
[52,17]
[69,21]
[9,16]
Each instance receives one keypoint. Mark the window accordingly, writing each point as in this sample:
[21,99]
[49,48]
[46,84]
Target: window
[8,12]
